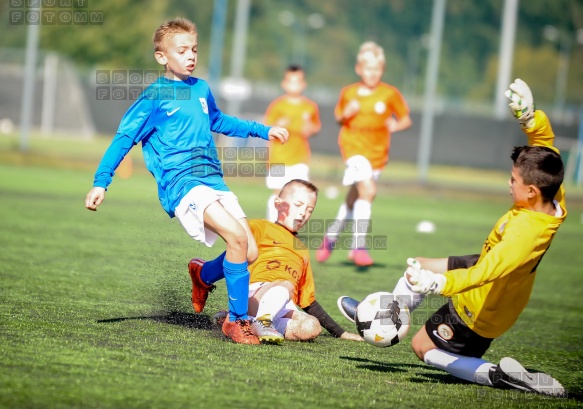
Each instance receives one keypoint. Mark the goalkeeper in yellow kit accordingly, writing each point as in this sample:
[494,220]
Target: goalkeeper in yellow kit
[488,291]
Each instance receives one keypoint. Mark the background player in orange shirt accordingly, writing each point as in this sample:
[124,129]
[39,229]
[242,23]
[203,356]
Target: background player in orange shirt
[302,120]
[368,111]
[281,278]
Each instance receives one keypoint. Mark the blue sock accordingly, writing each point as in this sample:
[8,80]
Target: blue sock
[212,270]
[237,277]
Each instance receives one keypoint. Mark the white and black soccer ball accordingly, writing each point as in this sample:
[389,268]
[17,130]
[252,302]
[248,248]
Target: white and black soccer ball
[382,320]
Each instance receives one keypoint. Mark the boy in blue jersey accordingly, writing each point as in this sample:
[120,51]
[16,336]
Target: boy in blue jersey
[174,119]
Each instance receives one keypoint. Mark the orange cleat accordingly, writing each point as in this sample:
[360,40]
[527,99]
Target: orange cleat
[239,331]
[200,290]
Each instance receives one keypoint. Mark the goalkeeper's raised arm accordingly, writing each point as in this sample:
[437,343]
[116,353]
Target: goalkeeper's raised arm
[535,123]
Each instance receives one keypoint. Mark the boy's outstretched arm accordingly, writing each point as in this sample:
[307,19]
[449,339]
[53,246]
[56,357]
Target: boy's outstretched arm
[535,123]
[278,133]
[118,149]
[326,321]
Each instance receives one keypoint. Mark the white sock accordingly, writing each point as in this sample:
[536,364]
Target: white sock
[271,210]
[335,228]
[362,212]
[404,294]
[273,301]
[464,367]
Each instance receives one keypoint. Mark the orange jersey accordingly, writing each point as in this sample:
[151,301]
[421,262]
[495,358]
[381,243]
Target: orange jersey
[282,256]
[366,133]
[294,116]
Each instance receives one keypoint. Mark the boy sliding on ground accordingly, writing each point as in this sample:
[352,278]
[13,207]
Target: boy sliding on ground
[281,278]
[174,119]
[488,291]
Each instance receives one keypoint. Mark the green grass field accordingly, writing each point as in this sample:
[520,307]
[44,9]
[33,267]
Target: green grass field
[95,307]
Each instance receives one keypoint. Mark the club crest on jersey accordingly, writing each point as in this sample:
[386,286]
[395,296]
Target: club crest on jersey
[445,331]
[380,107]
[205,107]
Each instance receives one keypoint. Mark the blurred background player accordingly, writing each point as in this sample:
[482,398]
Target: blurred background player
[179,151]
[369,112]
[300,116]
[488,291]
[281,278]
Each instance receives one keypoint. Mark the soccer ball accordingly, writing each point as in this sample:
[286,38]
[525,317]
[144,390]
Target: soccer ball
[382,320]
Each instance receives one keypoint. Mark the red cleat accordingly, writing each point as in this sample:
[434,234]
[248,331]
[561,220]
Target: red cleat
[200,290]
[240,331]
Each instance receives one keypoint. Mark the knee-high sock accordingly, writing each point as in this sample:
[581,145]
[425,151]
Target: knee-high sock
[335,228]
[464,367]
[406,296]
[273,301]
[212,270]
[362,212]
[237,278]
[271,210]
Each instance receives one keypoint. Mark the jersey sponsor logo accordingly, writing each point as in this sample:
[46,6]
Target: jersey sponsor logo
[276,264]
[170,113]
[204,105]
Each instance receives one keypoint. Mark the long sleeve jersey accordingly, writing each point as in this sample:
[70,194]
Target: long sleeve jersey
[490,296]
[174,121]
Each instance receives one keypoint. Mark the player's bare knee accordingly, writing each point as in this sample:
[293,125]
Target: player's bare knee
[306,328]
[238,242]
[312,328]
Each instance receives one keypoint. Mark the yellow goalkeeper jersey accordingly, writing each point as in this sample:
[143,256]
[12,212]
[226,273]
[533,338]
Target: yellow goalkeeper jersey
[282,256]
[490,296]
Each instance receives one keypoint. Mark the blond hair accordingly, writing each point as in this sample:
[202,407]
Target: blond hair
[370,51]
[175,26]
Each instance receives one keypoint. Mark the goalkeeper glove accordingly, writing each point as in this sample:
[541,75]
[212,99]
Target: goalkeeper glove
[521,103]
[423,281]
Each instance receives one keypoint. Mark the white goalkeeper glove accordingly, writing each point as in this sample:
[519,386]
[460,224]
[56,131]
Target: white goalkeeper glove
[521,103]
[423,281]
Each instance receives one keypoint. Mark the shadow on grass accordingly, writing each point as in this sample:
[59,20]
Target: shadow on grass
[187,320]
[444,378]
[380,366]
[447,379]
[362,269]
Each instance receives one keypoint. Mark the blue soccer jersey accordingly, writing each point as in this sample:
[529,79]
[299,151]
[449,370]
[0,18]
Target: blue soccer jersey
[174,120]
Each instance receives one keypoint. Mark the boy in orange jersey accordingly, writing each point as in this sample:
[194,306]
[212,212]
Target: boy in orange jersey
[369,112]
[488,291]
[302,120]
[281,278]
